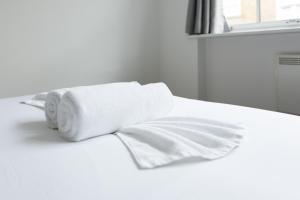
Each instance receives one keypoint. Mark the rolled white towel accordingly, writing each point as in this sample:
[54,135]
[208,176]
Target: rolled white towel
[52,101]
[94,111]
[159,100]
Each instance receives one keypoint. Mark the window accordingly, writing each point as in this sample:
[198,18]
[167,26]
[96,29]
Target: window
[262,13]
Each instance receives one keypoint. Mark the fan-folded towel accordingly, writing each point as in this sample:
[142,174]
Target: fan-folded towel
[93,111]
[164,141]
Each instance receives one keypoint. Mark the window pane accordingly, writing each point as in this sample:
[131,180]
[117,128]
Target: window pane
[240,11]
[272,10]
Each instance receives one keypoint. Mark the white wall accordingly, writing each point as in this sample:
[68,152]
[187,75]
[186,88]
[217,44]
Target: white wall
[178,54]
[58,43]
[236,70]
[240,69]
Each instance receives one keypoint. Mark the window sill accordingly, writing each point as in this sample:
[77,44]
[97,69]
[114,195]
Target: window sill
[248,32]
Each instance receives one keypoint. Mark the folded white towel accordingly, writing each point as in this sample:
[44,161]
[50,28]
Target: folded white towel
[92,111]
[37,101]
[170,139]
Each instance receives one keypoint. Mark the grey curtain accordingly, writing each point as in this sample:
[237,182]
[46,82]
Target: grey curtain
[205,17]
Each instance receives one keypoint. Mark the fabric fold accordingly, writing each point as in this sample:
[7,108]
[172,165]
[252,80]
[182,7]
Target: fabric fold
[37,101]
[163,141]
[205,17]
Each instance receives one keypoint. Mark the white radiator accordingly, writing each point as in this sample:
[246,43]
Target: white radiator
[288,84]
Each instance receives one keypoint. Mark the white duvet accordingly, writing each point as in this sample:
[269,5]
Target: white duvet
[35,163]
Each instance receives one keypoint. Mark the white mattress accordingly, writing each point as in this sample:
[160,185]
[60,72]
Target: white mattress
[35,164]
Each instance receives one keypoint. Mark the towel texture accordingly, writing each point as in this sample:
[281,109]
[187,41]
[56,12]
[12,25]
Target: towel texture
[52,101]
[163,141]
[93,111]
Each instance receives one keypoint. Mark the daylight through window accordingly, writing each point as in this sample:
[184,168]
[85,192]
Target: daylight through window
[240,12]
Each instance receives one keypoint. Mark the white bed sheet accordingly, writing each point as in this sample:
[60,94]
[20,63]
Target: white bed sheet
[35,163]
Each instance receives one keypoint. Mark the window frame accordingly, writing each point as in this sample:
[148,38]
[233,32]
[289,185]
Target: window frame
[269,25]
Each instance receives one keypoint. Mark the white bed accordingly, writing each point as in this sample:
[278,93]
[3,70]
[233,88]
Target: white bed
[36,164]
